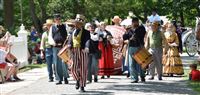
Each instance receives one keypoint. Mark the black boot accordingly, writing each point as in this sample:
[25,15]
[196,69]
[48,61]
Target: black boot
[77,84]
[82,89]
[102,77]
[108,76]
[159,77]
[143,79]
[59,82]
[135,81]
[151,78]
[95,80]
[66,80]
[50,80]
[128,75]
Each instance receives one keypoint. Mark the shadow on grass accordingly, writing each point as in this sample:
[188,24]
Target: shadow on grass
[30,67]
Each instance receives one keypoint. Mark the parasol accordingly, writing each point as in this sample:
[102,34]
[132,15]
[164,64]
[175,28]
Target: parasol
[126,22]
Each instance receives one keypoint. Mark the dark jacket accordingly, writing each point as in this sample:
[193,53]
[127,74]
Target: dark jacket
[59,33]
[135,37]
[85,37]
[105,40]
[93,46]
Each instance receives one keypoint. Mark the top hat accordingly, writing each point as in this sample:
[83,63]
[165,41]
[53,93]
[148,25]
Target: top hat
[80,18]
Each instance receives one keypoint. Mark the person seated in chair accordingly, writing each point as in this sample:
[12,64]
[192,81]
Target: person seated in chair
[11,63]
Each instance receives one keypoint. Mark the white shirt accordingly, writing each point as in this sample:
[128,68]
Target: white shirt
[3,54]
[154,18]
[94,37]
[50,37]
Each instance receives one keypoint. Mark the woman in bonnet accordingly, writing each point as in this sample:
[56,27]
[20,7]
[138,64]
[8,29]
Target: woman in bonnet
[172,63]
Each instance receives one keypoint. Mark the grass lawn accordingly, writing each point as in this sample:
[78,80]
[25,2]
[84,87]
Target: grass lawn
[194,85]
[31,66]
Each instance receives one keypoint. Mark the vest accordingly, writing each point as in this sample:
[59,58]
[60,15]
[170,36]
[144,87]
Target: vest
[77,40]
[47,45]
[155,39]
[59,34]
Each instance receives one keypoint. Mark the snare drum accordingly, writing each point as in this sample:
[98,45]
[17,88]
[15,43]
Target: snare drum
[143,58]
[64,54]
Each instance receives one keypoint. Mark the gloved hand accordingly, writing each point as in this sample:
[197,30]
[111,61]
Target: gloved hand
[150,51]
[86,50]
[173,44]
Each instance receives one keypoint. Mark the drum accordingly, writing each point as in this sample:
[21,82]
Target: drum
[143,58]
[64,54]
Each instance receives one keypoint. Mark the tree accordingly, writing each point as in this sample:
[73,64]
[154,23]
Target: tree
[37,11]
[36,21]
[8,14]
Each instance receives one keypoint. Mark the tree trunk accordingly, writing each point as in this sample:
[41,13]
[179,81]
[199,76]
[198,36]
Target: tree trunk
[35,19]
[145,11]
[43,10]
[182,19]
[8,14]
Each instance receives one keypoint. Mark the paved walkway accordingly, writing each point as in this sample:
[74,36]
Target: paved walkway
[36,83]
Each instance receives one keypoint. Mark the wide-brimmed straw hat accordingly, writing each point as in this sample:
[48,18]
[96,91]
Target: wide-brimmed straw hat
[70,22]
[49,22]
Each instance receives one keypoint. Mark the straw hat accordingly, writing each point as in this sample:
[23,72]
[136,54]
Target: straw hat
[155,23]
[70,22]
[2,29]
[116,19]
[49,22]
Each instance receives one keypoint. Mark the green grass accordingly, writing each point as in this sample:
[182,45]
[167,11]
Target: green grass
[30,67]
[194,85]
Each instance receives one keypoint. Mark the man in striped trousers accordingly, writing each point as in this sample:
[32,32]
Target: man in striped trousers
[78,42]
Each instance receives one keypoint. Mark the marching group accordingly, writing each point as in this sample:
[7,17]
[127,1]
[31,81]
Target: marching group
[91,49]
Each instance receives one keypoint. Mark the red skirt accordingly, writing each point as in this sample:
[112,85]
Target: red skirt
[106,63]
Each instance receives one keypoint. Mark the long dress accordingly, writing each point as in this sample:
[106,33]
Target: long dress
[172,63]
[106,62]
